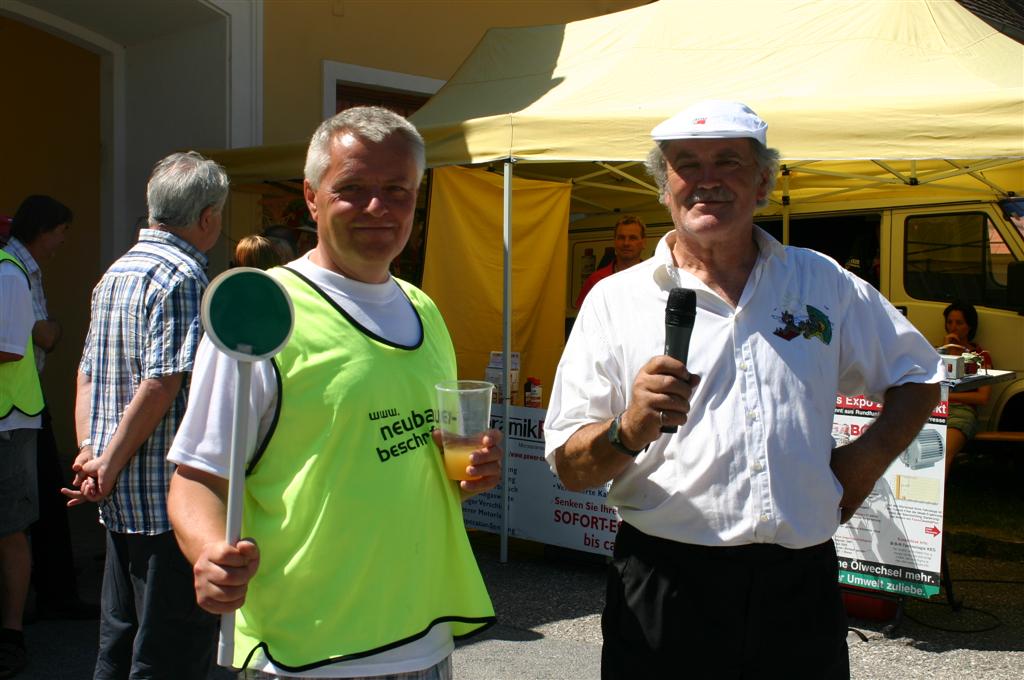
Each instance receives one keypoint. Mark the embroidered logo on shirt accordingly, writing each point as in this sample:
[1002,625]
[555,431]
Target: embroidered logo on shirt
[815,325]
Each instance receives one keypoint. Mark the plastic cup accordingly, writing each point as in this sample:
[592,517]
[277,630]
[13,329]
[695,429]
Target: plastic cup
[464,415]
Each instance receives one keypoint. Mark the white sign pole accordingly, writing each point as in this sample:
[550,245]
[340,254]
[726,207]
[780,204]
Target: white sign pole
[248,315]
[236,487]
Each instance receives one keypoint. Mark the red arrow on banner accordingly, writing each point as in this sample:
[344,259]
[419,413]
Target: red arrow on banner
[934,531]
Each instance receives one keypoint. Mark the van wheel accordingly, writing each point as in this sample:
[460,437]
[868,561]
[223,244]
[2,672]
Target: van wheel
[1012,417]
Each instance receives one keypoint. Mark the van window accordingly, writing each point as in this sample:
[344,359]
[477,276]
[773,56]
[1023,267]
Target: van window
[959,256]
[851,240]
[1013,211]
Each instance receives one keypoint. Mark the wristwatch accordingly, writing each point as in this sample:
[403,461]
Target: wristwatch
[614,434]
[85,442]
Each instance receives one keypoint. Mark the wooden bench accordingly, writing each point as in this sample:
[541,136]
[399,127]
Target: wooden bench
[1001,441]
[999,436]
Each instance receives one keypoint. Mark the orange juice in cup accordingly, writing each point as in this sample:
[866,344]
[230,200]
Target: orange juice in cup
[464,415]
[456,456]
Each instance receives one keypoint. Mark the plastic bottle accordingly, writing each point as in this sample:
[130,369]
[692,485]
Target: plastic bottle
[532,393]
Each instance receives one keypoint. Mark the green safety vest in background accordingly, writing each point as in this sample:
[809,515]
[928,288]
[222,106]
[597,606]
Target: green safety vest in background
[361,537]
[19,380]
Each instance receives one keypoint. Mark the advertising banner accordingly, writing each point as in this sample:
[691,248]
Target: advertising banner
[893,543]
[540,508]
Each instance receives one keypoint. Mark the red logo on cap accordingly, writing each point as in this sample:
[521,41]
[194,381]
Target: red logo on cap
[699,121]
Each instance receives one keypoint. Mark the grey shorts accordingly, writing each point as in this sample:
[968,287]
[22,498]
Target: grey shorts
[19,497]
[964,418]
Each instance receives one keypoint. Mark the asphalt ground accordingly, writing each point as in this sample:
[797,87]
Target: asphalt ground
[549,602]
[549,609]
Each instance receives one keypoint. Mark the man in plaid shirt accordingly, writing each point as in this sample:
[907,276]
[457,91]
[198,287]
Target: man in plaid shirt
[132,390]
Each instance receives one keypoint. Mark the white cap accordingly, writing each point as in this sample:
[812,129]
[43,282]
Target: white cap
[713,119]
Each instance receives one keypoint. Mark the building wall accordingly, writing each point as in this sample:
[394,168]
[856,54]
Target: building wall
[175,96]
[50,131]
[427,38]
[176,103]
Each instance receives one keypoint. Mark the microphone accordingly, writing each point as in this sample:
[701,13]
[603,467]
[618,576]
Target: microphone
[680,313]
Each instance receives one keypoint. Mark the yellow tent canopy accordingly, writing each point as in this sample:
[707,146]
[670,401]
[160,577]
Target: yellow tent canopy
[914,101]
[873,102]
[860,97]
[902,101]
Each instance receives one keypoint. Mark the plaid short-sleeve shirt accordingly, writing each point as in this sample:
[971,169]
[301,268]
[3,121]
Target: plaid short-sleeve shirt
[144,324]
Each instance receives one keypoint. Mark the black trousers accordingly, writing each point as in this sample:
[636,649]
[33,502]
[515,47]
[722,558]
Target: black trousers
[150,625]
[53,564]
[756,611]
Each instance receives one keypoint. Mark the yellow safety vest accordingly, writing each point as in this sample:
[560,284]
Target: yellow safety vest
[362,543]
[19,380]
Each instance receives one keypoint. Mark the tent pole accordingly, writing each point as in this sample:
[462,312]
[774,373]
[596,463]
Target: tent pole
[785,205]
[506,349]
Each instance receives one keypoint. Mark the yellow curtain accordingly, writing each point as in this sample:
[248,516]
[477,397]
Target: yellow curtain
[463,271]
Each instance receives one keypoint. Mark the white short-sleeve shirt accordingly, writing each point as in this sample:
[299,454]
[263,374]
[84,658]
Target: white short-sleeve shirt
[16,321]
[203,440]
[751,464]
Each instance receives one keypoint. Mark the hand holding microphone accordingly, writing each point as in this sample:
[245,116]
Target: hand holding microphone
[680,313]
[662,389]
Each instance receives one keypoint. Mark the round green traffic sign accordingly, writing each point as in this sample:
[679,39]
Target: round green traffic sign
[247,314]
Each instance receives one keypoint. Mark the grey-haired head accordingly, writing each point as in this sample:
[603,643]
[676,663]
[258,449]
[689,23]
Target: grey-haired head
[371,123]
[713,119]
[181,187]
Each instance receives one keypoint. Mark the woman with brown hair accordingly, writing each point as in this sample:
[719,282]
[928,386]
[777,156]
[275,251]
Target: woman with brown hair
[257,251]
[962,423]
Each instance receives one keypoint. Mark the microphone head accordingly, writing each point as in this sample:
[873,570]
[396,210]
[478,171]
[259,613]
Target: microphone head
[681,309]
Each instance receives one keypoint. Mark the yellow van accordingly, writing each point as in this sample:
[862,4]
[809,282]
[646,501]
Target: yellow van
[922,257]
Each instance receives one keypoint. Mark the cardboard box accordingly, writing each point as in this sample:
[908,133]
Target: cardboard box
[497,360]
[495,373]
[954,366]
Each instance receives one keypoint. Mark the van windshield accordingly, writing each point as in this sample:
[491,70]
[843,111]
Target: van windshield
[852,240]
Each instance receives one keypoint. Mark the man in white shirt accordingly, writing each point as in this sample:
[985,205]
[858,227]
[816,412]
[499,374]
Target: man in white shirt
[21,402]
[38,230]
[724,562]
[363,567]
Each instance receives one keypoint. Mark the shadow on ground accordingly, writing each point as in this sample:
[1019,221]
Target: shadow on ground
[539,586]
[984,543]
[549,600]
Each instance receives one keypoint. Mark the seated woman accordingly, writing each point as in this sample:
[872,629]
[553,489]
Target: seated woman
[961,327]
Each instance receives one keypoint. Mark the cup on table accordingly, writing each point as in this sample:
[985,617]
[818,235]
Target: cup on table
[464,415]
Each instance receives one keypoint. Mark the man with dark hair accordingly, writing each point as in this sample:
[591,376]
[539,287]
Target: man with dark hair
[132,390]
[354,526]
[630,232]
[724,562]
[38,230]
[21,402]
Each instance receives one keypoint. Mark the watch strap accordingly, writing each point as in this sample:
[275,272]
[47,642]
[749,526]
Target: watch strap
[614,438]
